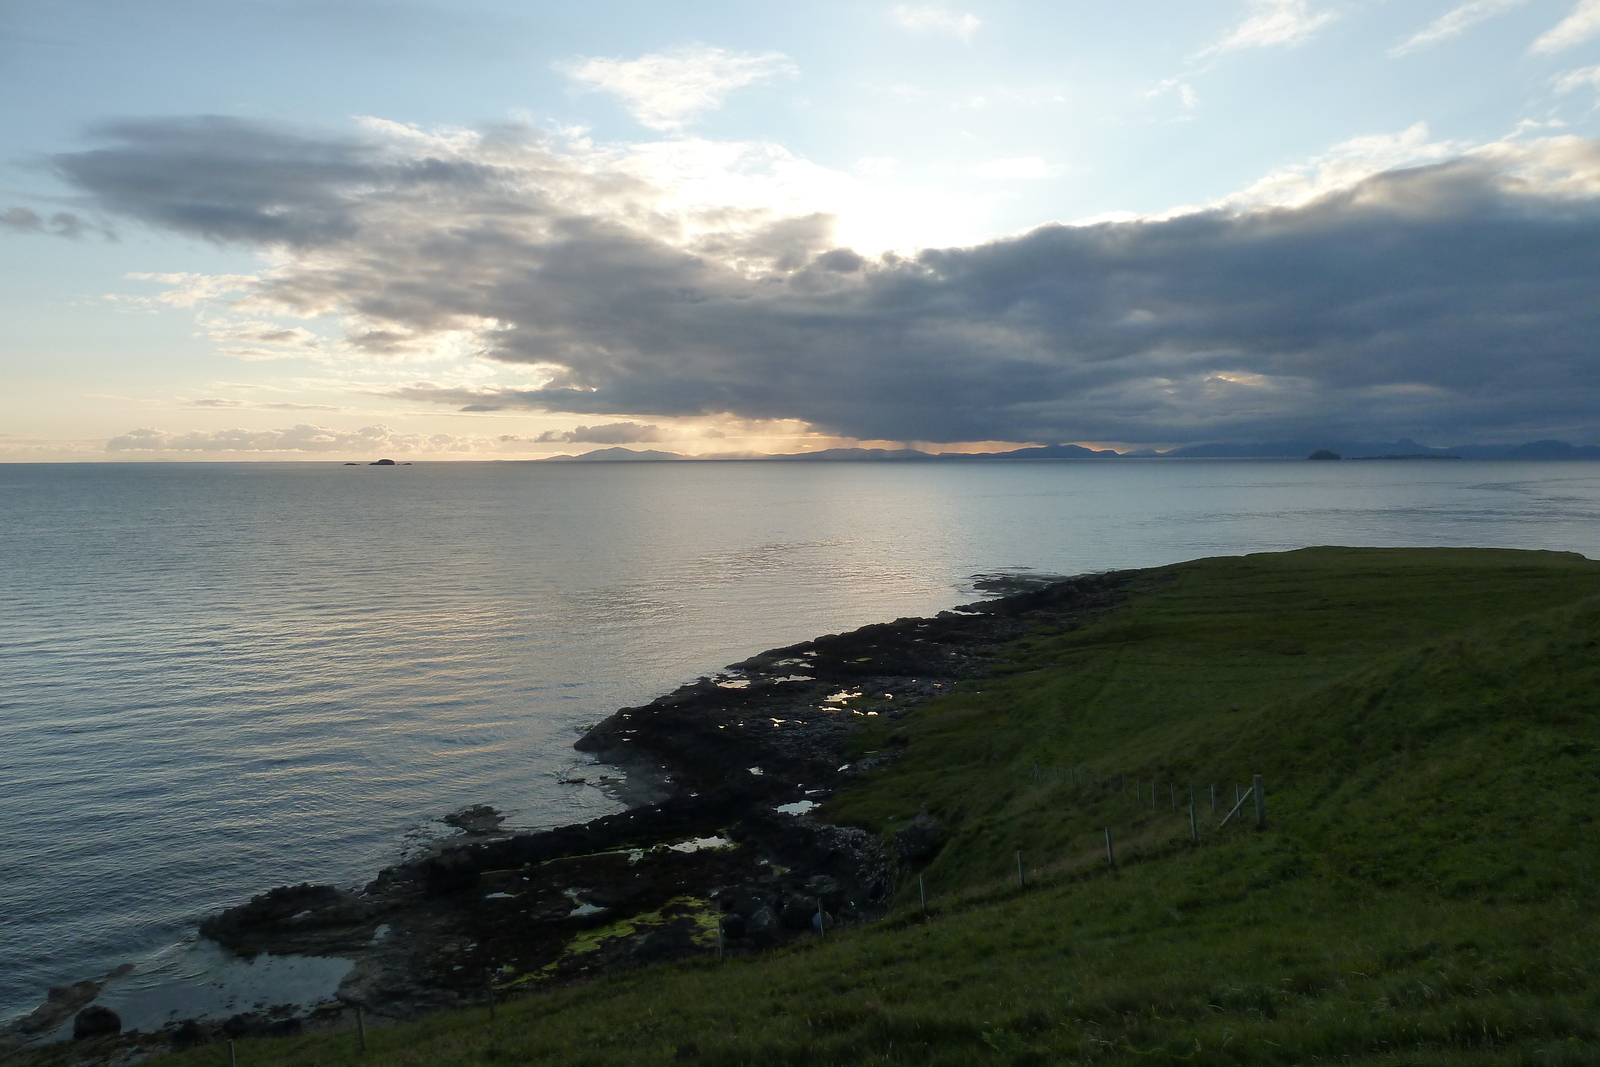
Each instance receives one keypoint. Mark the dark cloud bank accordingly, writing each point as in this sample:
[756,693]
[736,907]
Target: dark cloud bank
[1447,303]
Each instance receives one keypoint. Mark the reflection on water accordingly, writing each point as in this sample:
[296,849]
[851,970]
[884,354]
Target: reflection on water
[219,678]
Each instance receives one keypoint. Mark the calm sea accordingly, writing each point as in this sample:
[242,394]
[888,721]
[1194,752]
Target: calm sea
[217,678]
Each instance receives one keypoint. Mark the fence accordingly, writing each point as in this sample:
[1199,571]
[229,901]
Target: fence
[1253,794]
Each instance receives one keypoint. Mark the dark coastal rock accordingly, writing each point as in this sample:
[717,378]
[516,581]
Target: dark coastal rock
[383,463]
[304,919]
[255,1024]
[918,841]
[60,1003]
[798,911]
[95,1021]
[189,1034]
[646,884]
[763,927]
[477,819]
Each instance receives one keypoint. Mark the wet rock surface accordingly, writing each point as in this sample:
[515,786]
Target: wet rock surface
[95,1021]
[711,865]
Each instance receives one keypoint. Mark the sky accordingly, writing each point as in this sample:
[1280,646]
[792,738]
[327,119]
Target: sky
[339,229]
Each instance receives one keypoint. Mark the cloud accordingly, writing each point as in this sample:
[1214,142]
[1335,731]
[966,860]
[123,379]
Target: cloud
[932,18]
[369,440]
[189,290]
[665,90]
[1582,23]
[1356,294]
[1453,23]
[1180,88]
[1577,79]
[1023,168]
[612,433]
[60,224]
[1342,166]
[1274,24]
[227,402]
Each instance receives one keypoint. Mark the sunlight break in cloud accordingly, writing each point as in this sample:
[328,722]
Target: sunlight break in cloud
[1272,24]
[934,19]
[1581,24]
[664,90]
[1453,23]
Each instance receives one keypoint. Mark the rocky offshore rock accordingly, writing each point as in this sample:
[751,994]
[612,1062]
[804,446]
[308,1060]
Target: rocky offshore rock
[60,1003]
[477,819]
[95,1021]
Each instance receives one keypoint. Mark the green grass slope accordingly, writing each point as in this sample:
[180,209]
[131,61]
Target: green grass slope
[1428,726]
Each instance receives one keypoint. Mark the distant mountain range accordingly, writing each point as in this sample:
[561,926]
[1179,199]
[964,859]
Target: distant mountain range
[1404,448]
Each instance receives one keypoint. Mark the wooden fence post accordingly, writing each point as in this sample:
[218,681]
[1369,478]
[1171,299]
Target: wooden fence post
[1022,881]
[922,891]
[1194,826]
[361,1028]
[1261,803]
[1213,798]
[1111,856]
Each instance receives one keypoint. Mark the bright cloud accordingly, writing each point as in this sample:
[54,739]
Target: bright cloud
[665,90]
[1177,87]
[1342,167]
[1582,23]
[1454,23]
[1274,24]
[1577,79]
[931,18]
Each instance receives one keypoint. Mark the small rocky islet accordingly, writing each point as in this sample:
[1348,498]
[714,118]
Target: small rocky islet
[715,855]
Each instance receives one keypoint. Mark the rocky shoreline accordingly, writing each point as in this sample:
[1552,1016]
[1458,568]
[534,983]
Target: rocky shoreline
[716,856]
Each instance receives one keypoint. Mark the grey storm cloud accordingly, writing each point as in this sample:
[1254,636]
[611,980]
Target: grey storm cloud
[61,224]
[1450,302]
[612,433]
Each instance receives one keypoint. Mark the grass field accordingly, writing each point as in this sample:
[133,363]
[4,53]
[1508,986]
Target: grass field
[1427,723]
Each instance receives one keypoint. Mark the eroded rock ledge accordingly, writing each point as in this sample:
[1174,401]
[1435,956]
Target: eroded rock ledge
[714,859]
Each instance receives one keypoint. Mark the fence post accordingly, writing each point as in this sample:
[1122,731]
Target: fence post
[361,1028]
[232,1062]
[1022,881]
[822,923]
[1261,803]
[1174,797]
[1213,798]
[1111,856]
[922,891]
[1194,826]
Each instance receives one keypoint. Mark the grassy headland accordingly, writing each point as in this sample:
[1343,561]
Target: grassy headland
[1428,726]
